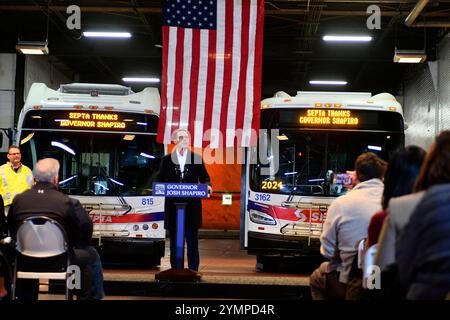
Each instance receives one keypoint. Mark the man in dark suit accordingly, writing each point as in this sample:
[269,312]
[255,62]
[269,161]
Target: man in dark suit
[184,166]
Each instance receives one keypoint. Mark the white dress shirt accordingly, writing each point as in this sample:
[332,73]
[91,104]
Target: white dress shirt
[182,160]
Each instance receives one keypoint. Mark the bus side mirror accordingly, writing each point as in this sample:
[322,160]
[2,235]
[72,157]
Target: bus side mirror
[1,140]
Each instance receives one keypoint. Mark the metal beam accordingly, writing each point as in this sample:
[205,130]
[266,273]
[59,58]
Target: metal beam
[412,16]
[273,12]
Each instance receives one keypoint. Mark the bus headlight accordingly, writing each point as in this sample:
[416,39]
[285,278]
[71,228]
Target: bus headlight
[261,217]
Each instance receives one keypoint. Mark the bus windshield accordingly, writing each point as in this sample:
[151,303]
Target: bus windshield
[97,164]
[314,163]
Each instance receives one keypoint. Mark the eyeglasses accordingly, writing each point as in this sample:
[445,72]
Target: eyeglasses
[182,137]
[14,154]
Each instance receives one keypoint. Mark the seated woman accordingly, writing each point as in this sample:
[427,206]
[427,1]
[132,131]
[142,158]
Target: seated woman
[399,180]
[433,171]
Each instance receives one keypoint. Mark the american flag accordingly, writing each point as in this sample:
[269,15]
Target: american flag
[211,77]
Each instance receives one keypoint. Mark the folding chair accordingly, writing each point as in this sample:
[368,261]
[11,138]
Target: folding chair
[369,263]
[38,240]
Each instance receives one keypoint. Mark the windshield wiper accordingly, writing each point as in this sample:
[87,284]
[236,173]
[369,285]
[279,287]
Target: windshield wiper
[112,183]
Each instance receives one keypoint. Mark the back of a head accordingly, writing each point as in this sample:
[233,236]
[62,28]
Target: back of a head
[436,166]
[401,173]
[369,166]
[46,170]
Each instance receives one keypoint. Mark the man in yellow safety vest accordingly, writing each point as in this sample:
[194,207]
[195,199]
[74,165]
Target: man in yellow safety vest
[15,177]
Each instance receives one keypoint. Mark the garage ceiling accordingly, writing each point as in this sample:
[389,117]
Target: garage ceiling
[294,52]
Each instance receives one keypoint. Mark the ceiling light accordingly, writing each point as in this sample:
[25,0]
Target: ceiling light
[63,146]
[129,137]
[343,38]
[146,80]
[32,47]
[328,83]
[410,56]
[146,155]
[102,34]
[282,137]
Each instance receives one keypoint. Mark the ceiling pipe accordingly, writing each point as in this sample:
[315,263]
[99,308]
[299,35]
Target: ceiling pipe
[415,12]
[431,24]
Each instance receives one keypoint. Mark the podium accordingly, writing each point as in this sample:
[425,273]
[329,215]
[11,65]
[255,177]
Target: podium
[179,190]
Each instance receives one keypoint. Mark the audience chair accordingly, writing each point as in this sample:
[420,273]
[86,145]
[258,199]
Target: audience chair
[361,252]
[368,263]
[39,241]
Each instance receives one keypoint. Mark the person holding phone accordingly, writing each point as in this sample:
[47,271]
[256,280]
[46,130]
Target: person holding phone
[184,166]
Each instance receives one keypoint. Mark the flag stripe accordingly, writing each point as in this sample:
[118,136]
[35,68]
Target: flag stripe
[170,81]
[187,65]
[210,86]
[219,58]
[249,96]
[162,115]
[178,86]
[194,81]
[244,60]
[258,69]
[228,61]
[236,64]
[202,83]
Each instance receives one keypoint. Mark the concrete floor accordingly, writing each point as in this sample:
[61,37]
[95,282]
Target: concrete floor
[227,273]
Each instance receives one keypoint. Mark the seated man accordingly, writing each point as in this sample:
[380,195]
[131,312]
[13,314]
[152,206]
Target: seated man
[346,223]
[44,199]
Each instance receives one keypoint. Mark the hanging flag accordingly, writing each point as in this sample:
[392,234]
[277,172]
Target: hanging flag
[211,75]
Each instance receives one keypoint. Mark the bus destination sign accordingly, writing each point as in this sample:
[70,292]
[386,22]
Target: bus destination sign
[329,117]
[92,120]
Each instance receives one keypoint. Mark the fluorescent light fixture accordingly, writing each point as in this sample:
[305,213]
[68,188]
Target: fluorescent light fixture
[144,80]
[374,148]
[62,146]
[116,182]
[129,137]
[316,180]
[146,155]
[32,47]
[105,34]
[68,179]
[344,38]
[327,83]
[141,123]
[409,56]
[27,138]
[282,137]
[36,117]
[290,173]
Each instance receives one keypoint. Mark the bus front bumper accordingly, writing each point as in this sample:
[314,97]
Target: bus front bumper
[129,249]
[279,245]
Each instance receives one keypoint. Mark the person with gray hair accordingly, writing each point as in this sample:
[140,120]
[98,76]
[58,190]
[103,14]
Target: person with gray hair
[46,170]
[43,199]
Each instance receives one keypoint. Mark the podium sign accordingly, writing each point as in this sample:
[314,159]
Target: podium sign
[179,190]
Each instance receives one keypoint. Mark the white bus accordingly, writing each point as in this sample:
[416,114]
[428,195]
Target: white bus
[104,137]
[290,183]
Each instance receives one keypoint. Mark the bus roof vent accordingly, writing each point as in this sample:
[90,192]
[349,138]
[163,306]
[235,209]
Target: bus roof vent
[281,94]
[95,89]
